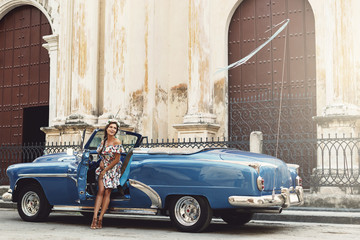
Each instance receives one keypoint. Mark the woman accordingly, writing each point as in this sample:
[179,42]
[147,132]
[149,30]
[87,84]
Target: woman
[108,172]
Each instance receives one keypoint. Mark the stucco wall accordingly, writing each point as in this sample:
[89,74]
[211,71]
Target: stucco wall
[155,61]
[337,51]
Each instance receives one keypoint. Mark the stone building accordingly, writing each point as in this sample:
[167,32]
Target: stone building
[153,64]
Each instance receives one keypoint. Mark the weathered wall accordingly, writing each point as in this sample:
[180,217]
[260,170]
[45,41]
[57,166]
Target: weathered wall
[155,61]
[337,67]
[337,51]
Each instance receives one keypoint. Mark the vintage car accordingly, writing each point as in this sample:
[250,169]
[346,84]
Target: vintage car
[190,185]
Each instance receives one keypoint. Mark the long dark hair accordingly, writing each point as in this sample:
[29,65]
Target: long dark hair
[106,136]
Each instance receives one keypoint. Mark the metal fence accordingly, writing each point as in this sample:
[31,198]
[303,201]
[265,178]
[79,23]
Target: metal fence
[11,154]
[331,161]
[338,164]
[198,143]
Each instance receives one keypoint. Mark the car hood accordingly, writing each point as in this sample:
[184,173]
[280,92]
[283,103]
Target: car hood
[56,157]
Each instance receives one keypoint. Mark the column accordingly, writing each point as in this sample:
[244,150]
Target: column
[199,122]
[85,42]
[115,46]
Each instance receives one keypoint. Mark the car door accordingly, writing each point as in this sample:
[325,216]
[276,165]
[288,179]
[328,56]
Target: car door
[83,168]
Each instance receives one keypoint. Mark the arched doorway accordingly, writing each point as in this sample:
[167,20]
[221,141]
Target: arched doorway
[254,88]
[24,75]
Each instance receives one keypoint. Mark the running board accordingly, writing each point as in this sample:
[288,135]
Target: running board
[128,211]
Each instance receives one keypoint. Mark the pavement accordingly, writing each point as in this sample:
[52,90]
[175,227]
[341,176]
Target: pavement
[309,214]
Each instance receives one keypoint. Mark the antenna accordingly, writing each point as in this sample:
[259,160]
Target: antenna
[117,113]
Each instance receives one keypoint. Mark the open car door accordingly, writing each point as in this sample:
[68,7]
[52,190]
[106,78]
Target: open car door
[82,174]
[125,168]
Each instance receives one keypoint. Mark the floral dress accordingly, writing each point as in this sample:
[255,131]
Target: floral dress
[112,177]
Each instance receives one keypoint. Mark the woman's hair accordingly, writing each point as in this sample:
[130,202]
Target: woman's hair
[105,135]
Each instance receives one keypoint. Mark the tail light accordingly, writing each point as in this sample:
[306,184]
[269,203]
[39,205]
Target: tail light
[298,181]
[260,183]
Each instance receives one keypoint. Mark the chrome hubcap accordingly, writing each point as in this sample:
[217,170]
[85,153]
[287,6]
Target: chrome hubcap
[30,203]
[187,211]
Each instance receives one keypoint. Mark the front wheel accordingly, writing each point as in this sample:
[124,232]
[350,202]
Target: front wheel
[190,214]
[32,204]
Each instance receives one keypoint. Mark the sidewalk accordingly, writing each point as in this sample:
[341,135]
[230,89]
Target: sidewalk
[292,214]
[314,215]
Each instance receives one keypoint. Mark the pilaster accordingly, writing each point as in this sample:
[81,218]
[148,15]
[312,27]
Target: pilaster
[52,45]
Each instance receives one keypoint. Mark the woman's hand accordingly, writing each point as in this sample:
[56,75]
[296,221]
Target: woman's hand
[102,173]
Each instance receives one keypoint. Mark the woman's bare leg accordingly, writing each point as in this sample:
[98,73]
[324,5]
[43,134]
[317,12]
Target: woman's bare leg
[99,198]
[105,205]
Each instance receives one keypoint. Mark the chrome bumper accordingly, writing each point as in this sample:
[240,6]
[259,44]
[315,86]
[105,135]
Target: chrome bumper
[284,200]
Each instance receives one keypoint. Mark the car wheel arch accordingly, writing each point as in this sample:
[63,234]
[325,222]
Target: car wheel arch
[22,183]
[32,204]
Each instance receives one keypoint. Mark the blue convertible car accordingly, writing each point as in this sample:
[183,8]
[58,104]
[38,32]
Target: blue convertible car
[191,186]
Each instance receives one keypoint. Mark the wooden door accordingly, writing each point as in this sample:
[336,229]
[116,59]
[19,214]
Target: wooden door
[287,63]
[24,69]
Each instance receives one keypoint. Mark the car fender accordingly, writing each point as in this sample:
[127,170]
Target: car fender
[213,180]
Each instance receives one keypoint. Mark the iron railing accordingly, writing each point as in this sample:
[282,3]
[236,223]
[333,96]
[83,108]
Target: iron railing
[337,159]
[198,143]
[338,164]
[11,154]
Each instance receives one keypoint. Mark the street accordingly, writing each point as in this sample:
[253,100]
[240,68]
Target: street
[74,226]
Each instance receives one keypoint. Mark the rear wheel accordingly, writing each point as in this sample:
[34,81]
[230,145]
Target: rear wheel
[32,204]
[190,214]
[237,218]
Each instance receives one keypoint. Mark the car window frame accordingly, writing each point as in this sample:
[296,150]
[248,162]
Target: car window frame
[136,144]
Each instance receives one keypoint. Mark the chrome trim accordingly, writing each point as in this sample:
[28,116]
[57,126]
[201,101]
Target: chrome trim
[284,200]
[151,193]
[44,175]
[60,175]
[119,199]
[73,177]
[135,211]
[72,208]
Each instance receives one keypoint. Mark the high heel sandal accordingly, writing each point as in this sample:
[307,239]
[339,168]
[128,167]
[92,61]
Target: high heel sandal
[94,223]
[99,224]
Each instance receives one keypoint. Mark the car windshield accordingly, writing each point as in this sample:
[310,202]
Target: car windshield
[128,141]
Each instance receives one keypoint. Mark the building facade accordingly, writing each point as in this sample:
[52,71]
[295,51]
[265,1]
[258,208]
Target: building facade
[153,64]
